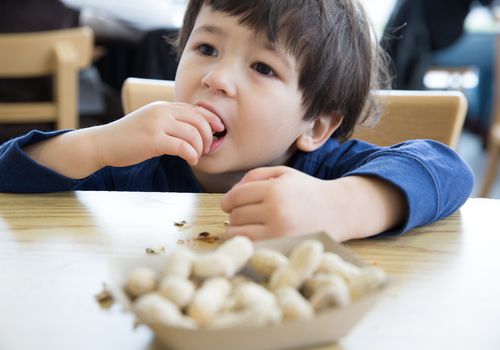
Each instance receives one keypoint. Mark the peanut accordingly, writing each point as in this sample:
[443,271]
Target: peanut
[208,299]
[304,260]
[178,290]
[226,260]
[265,261]
[251,295]
[248,318]
[284,276]
[333,264]
[306,257]
[250,305]
[335,293]
[212,265]
[238,280]
[239,250]
[319,280]
[153,309]
[179,263]
[293,305]
[368,279]
[141,280]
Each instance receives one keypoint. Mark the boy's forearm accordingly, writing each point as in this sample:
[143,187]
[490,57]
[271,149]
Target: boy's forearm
[370,206]
[73,154]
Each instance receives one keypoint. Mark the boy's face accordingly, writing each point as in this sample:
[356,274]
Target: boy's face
[252,87]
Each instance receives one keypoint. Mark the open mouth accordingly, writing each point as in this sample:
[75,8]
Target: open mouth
[217,139]
[220,134]
[215,134]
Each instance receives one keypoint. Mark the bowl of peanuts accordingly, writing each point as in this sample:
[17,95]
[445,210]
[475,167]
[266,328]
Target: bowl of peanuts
[273,294]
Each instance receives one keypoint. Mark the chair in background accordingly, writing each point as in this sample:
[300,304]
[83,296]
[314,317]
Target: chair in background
[137,92]
[60,54]
[437,115]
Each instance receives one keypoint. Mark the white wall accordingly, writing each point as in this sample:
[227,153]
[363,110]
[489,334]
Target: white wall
[379,12]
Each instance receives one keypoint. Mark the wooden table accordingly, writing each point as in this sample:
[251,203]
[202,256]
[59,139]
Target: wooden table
[55,251]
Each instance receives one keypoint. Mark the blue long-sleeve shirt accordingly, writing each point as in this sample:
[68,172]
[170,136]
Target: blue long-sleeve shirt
[433,178]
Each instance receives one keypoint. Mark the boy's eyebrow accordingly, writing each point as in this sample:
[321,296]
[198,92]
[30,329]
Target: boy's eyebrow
[210,29]
[278,53]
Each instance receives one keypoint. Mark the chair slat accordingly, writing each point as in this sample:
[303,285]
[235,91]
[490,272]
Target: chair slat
[27,112]
[31,54]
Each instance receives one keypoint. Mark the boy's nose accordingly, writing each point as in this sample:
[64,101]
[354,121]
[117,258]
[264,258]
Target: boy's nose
[221,80]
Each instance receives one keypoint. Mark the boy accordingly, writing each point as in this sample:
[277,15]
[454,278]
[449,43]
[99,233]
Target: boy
[261,88]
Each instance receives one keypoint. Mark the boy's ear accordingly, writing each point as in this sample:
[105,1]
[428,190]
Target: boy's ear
[319,132]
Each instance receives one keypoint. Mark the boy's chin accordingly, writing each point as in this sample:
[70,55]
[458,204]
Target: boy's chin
[209,166]
[212,167]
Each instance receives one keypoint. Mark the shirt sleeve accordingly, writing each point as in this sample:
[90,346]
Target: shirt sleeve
[433,178]
[21,174]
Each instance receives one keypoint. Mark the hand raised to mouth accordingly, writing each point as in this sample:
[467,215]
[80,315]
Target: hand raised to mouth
[160,128]
[218,130]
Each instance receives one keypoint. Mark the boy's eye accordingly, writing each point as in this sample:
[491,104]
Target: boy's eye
[207,50]
[263,69]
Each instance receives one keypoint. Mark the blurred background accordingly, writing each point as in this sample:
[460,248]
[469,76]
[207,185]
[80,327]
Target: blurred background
[434,45]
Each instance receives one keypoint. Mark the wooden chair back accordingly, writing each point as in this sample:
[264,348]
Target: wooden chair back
[407,114]
[138,92]
[58,53]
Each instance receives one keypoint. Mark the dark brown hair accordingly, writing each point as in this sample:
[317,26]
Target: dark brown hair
[338,57]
